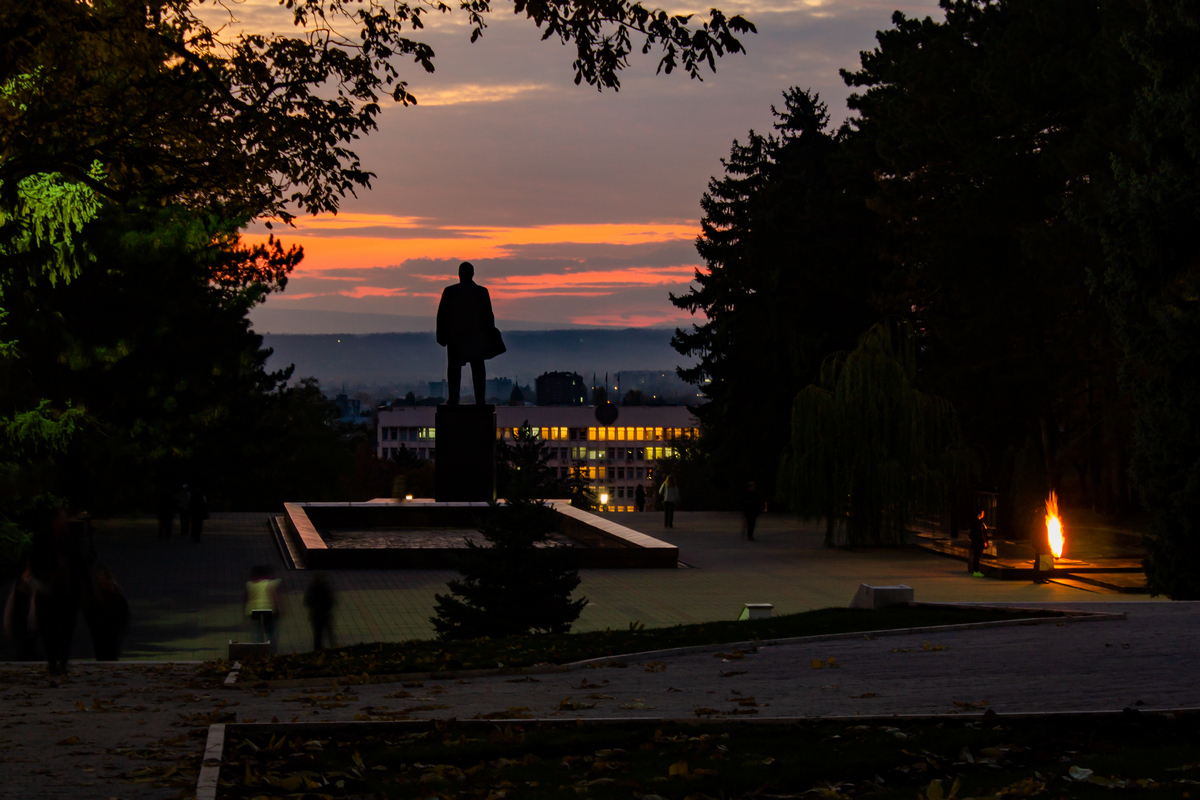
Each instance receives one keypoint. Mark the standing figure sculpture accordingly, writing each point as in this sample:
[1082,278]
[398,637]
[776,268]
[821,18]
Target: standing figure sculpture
[466,327]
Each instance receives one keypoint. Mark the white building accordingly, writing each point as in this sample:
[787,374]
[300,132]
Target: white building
[613,459]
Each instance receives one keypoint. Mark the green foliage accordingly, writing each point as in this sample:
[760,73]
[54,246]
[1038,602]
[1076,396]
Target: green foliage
[869,450]
[1151,284]
[48,212]
[149,358]
[514,586]
[986,134]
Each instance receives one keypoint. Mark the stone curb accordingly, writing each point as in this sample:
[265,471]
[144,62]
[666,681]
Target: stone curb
[358,680]
[210,768]
[1068,616]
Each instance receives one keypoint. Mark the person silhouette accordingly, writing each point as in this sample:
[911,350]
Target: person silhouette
[466,327]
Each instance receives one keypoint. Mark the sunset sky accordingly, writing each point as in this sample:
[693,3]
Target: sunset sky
[576,207]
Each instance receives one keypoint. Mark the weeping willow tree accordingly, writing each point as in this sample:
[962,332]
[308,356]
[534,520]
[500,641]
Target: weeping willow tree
[869,451]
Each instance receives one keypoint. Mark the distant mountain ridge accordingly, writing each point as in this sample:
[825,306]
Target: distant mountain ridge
[385,358]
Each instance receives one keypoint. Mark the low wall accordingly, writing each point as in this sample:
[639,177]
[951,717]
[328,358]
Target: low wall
[601,542]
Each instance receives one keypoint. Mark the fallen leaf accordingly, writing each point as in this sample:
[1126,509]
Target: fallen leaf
[1079,773]
[678,769]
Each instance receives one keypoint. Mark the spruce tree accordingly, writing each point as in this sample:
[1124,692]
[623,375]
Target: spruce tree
[515,584]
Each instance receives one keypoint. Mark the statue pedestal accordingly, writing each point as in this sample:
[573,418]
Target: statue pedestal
[466,454]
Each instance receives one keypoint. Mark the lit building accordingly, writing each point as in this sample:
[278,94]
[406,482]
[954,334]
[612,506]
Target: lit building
[612,459]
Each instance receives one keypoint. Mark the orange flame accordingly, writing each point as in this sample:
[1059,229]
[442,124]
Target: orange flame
[1054,526]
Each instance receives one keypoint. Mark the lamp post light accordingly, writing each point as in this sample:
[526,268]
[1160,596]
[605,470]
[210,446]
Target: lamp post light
[604,498]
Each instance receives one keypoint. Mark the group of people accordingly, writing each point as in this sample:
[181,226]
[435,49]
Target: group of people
[190,505]
[60,579]
[751,504]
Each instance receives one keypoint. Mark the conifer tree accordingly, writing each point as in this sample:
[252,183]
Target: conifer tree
[518,583]
[786,243]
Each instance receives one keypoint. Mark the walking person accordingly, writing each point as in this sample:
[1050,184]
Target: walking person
[197,512]
[639,497]
[319,600]
[56,571]
[752,506]
[183,504]
[106,612]
[670,496]
[978,542]
[20,624]
[264,606]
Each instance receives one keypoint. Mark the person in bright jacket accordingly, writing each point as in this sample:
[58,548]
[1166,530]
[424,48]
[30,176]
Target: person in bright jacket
[264,605]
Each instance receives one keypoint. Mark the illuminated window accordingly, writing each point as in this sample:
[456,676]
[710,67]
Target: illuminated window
[658,434]
[612,434]
[592,434]
[620,434]
[602,472]
[499,433]
[592,473]
[562,433]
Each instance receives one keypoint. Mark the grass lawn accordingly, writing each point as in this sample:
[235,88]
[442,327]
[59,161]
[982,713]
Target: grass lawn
[524,651]
[1059,756]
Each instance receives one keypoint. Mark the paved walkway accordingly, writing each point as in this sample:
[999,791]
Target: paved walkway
[102,730]
[136,730]
[186,599]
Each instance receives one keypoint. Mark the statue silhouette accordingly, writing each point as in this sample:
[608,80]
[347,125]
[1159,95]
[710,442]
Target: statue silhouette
[466,327]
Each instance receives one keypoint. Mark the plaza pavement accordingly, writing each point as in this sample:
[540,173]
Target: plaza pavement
[106,727]
[186,599]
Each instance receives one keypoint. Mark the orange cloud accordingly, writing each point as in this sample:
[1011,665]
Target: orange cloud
[328,253]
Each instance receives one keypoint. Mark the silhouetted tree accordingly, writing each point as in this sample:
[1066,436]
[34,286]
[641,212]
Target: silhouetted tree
[259,123]
[787,242]
[511,587]
[869,451]
[1149,282]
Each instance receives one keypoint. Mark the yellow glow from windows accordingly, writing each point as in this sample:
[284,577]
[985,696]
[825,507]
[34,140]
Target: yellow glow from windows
[592,434]
[612,434]
[603,471]
[641,434]
[658,434]
[620,434]
[592,473]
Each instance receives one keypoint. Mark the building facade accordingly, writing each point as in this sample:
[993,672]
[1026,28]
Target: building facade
[561,389]
[613,459]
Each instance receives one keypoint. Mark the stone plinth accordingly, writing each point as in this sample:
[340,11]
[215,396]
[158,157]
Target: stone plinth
[466,454]
[877,597]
